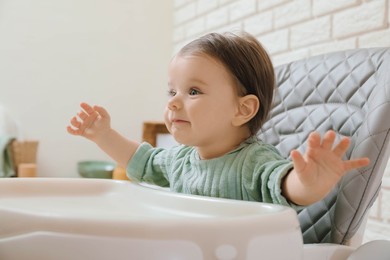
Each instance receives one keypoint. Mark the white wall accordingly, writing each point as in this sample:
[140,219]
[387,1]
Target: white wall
[55,54]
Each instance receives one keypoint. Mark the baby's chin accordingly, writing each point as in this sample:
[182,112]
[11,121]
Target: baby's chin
[183,140]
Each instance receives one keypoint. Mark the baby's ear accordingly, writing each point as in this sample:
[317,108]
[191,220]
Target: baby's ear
[247,109]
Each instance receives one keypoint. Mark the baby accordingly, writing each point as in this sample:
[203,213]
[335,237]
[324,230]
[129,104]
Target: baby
[220,93]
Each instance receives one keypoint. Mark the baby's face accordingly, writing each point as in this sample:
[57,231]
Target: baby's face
[202,100]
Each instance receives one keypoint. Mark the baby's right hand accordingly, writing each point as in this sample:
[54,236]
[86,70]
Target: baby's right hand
[90,122]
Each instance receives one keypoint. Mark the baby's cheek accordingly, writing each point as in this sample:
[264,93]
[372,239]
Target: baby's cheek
[168,125]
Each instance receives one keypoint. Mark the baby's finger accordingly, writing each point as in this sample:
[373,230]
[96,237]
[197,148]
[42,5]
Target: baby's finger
[329,137]
[298,160]
[102,112]
[357,163]
[314,139]
[342,147]
[313,142]
[82,115]
[74,122]
[87,108]
[73,131]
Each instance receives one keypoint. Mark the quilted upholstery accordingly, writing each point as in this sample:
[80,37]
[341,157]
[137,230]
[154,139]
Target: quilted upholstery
[348,92]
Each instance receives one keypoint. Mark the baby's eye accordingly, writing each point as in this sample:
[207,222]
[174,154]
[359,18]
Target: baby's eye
[194,92]
[171,92]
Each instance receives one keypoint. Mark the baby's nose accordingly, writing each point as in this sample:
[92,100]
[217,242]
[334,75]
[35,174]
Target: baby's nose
[174,103]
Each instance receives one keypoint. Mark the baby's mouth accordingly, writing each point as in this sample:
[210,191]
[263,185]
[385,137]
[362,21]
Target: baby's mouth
[179,121]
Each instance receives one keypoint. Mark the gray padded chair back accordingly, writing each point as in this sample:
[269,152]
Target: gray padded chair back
[348,92]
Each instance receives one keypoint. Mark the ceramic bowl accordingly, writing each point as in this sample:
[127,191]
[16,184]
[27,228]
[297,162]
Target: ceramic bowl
[96,169]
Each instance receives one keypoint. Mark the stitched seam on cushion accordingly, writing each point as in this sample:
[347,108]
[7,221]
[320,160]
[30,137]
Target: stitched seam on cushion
[344,240]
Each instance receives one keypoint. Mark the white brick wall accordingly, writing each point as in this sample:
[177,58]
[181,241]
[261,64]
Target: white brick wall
[267,4]
[360,20]
[295,29]
[321,7]
[291,13]
[331,24]
[259,23]
[242,8]
[310,32]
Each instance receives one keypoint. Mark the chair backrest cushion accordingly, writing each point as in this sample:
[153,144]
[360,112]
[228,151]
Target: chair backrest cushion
[349,92]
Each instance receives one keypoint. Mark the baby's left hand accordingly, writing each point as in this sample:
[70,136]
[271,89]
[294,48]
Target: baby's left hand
[320,168]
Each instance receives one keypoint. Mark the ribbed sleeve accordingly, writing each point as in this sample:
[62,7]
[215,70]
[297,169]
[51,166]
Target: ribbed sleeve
[149,164]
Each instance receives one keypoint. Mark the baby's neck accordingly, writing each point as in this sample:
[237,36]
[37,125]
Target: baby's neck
[219,149]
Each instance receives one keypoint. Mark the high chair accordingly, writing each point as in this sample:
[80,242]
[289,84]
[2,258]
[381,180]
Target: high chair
[347,91]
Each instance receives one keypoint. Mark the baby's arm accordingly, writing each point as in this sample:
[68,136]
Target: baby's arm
[94,123]
[317,171]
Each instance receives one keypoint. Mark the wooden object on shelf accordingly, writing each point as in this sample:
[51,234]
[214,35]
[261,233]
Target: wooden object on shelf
[24,152]
[151,129]
[27,170]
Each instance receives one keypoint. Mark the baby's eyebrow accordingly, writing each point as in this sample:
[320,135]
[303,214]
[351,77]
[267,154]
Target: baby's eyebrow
[198,81]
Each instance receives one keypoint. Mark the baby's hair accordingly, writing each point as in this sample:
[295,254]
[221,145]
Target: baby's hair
[248,62]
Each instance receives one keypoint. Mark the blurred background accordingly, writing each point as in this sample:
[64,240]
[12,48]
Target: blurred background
[56,54]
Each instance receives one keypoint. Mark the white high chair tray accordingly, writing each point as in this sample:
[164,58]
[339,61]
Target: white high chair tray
[105,219]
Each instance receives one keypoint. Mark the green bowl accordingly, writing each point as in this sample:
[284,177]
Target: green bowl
[96,169]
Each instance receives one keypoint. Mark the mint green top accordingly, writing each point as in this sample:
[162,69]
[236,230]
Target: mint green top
[251,172]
